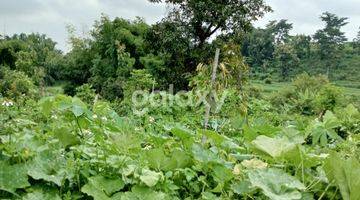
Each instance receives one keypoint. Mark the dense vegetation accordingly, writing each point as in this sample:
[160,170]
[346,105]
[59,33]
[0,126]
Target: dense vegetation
[72,128]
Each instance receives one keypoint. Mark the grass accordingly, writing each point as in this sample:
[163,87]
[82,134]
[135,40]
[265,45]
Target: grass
[55,89]
[349,88]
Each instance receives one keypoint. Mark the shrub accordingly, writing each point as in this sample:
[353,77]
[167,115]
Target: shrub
[254,91]
[282,97]
[268,81]
[70,89]
[328,98]
[86,93]
[14,84]
[310,95]
[305,82]
[112,89]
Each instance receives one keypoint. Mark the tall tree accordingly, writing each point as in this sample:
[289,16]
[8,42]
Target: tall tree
[203,18]
[258,47]
[286,59]
[356,42]
[302,45]
[281,30]
[192,23]
[331,39]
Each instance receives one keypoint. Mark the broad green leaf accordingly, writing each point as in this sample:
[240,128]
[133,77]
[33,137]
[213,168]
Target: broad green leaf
[101,187]
[48,166]
[216,138]
[261,128]
[13,177]
[275,147]
[330,121]
[242,187]
[351,110]
[203,155]
[221,174]
[159,161]
[46,105]
[39,194]
[185,136]
[65,136]
[141,193]
[345,174]
[150,178]
[254,164]
[276,184]
[209,196]
[77,110]
[94,192]
[156,158]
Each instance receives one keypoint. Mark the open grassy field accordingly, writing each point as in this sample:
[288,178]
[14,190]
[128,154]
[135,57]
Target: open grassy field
[350,89]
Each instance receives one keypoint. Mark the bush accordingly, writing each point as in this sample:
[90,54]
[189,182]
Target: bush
[70,89]
[310,95]
[112,89]
[328,98]
[14,84]
[86,93]
[268,81]
[305,82]
[282,97]
[254,91]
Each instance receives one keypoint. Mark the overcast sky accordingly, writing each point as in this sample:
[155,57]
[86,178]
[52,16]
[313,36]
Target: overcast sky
[51,16]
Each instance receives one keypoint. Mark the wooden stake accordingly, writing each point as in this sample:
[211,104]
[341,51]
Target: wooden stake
[212,84]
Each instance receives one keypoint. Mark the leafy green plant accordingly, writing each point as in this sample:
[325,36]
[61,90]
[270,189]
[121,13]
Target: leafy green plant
[323,131]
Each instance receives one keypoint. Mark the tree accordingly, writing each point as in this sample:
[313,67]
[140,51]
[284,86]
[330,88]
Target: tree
[191,23]
[203,18]
[280,30]
[258,47]
[356,42]
[29,52]
[302,45]
[286,59]
[331,39]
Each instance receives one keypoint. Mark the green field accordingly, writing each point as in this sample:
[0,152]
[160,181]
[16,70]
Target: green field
[276,86]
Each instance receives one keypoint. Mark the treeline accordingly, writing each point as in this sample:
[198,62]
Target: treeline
[169,51]
[272,51]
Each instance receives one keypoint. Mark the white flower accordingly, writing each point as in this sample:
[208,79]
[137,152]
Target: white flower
[7,103]
[95,116]
[104,118]
[53,116]
[151,119]
[147,147]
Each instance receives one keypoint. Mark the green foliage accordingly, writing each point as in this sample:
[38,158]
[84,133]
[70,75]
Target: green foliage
[268,81]
[29,52]
[14,84]
[86,94]
[255,147]
[331,36]
[203,21]
[309,95]
[323,131]
[305,82]
[356,43]
[344,173]
[59,148]
[13,177]
[287,59]
[276,184]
